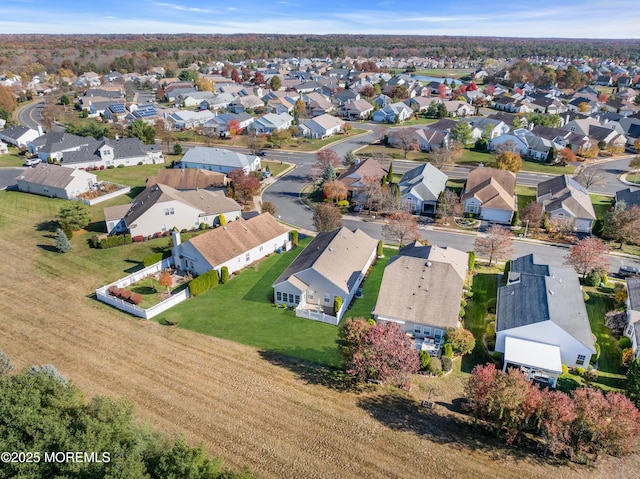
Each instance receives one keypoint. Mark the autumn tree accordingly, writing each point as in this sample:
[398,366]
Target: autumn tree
[279,137]
[622,224]
[461,340]
[509,161]
[442,91]
[587,255]
[165,279]
[496,244]
[323,159]
[327,217]
[255,143]
[334,190]
[380,352]
[268,207]
[258,78]
[401,228]
[590,176]
[275,83]
[448,205]
[406,140]
[233,128]
[634,164]
[7,100]
[373,193]
[566,155]
[509,146]
[244,186]
[441,157]
[532,214]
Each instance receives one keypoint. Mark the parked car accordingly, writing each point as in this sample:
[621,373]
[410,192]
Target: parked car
[262,153]
[32,162]
[629,271]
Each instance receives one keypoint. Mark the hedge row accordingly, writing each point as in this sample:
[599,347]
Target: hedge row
[125,294]
[203,283]
[111,241]
[156,258]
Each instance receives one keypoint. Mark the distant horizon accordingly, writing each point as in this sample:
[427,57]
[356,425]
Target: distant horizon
[546,19]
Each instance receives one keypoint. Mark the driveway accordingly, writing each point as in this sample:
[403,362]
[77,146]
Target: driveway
[8,176]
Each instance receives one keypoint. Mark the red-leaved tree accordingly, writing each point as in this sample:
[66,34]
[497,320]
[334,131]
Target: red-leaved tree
[380,352]
[323,159]
[587,255]
[401,227]
[496,244]
[244,186]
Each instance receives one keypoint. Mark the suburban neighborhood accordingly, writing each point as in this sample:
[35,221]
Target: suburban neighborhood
[423,249]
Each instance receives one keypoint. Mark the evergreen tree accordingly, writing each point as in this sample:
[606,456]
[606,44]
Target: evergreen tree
[349,159]
[551,156]
[329,173]
[62,242]
[633,382]
[390,173]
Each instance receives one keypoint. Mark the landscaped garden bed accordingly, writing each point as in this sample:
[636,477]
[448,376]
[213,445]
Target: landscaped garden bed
[152,292]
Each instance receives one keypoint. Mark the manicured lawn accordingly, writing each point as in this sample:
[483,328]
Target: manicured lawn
[525,194]
[421,120]
[275,167]
[152,292]
[601,204]
[12,159]
[391,153]
[485,287]
[242,311]
[306,144]
[444,72]
[362,307]
[472,157]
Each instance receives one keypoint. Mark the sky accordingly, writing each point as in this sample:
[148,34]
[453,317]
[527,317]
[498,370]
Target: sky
[494,18]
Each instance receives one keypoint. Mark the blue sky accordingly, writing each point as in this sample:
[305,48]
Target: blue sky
[501,18]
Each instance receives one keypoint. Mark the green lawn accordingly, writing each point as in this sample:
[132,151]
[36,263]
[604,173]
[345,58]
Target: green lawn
[485,287]
[242,311]
[601,204]
[362,307]
[525,194]
[12,159]
[308,145]
[444,72]
[275,167]
[421,120]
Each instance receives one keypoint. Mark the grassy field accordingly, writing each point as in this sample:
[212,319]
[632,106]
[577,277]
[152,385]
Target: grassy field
[445,72]
[282,417]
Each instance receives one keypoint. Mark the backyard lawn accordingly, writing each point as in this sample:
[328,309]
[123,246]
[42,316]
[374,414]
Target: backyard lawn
[485,287]
[12,159]
[370,288]
[601,204]
[242,311]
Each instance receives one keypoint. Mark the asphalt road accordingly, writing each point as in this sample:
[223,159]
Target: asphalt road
[30,116]
[8,176]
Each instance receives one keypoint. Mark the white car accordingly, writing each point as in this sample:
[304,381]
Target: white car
[32,162]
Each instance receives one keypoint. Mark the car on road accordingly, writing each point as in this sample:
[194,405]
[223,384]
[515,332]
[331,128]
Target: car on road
[32,162]
[629,271]
[262,153]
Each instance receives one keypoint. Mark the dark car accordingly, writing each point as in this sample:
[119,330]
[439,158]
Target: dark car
[262,153]
[629,271]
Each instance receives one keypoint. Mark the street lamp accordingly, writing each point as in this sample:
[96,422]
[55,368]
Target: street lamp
[526,228]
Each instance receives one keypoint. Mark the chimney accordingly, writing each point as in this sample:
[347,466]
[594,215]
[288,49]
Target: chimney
[40,132]
[177,241]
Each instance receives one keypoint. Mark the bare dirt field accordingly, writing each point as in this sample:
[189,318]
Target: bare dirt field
[280,418]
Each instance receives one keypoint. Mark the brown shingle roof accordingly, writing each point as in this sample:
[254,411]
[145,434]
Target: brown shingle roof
[355,173]
[237,237]
[188,178]
[494,188]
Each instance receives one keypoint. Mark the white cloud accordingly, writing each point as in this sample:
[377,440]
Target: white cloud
[182,8]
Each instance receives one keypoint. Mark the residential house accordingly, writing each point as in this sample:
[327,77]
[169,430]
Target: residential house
[106,152]
[490,194]
[115,112]
[420,104]
[332,265]
[321,126]
[56,181]
[54,144]
[344,97]
[244,103]
[19,135]
[186,120]
[194,98]
[479,125]
[160,208]
[270,123]
[189,179]
[632,329]
[317,104]
[563,198]
[429,138]
[456,108]
[356,110]
[421,290]
[4,148]
[356,178]
[219,125]
[421,187]
[628,196]
[542,321]
[394,113]
[235,245]
[218,159]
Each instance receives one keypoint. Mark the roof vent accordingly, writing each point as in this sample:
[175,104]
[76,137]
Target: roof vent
[331,250]
[428,264]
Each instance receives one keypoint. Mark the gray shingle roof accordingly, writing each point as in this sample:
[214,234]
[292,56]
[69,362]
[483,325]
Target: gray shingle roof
[537,292]
[424,181]
[629,196]
[217,156]
[568,194]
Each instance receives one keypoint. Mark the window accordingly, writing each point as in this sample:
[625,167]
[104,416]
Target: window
[580,360]
[168,211]
[327,297]
[427,331]
[290,298]
[278,296]
[247,256]
[417,329]
[297,301]
[310,294]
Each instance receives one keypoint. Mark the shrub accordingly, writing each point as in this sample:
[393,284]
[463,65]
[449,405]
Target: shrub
[491,305]
[140,163]
[463,303]
[596,356]
[222,219]
[337,304]
[604,278]
[598,227]
[461,313]
[447,364]
[447,351]
[203,226]
[203,283]
[491,328]
[472,260]
[120,166]
[565,369]
[126,295]
[624,343]
[118,292]
[110,167]
[293,235]
[111,289]
[156,258]
[425,358]
[379,249]
[627,357]
[593,279]
[136,298]
[516,219]
[585,296]
[224,275]
[116,240]
[460,339]
[435,366]
[580,371]
[343,203]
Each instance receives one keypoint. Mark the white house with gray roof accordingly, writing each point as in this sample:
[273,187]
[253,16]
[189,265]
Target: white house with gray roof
[632,330]
[56,181]
[218,159]
[107,153]
[160,208]
[271,122]
[542,320]
[333,264]
[321,126]
[54,144]
[421,291]
[563,198]
[420,188]
[19,135]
